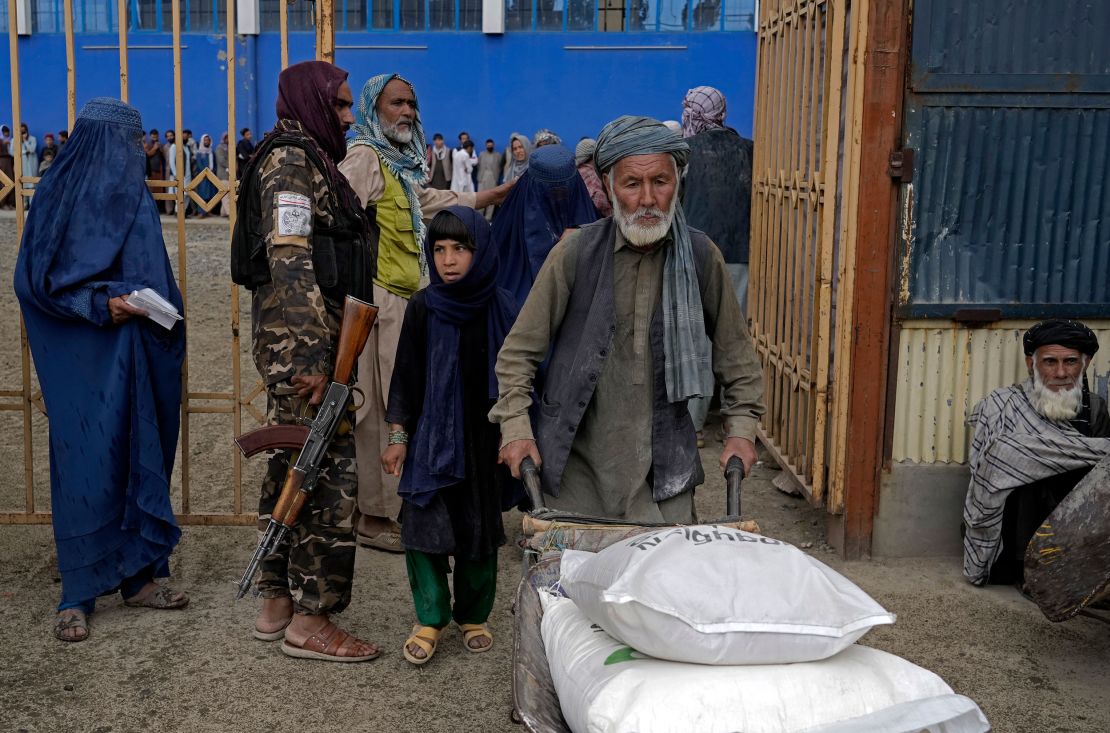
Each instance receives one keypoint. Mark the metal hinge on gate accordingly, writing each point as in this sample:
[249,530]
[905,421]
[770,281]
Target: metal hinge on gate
[901,165]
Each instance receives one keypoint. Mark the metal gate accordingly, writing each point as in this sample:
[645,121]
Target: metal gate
[24,398]
[807,144]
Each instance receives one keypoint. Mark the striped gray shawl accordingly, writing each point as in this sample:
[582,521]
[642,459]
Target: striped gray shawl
[1013,445]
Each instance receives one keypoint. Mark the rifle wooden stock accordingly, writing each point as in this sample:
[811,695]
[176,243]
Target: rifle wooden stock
[358,319]
[272,437]
[291,500]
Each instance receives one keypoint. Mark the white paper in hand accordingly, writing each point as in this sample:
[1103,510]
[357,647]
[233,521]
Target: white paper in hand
[158,309]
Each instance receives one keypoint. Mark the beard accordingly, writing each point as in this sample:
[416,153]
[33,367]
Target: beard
[394,133]
[1056,405]
[639,234]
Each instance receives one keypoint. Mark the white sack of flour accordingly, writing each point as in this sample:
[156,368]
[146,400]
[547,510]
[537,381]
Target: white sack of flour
[605,686]
[717,595]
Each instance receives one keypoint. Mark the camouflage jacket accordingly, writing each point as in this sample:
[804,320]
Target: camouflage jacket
[294,326]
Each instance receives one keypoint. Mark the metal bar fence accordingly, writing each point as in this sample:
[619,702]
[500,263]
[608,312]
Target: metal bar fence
[801,228]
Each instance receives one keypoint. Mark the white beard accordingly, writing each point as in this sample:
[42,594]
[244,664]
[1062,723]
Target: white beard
[638,234]
[1057,405]
[396,135]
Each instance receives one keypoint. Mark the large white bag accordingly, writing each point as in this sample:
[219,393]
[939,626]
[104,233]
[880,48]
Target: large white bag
[716,595]
[604,686]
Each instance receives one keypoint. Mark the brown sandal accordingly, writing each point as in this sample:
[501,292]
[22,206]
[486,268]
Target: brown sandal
[164,598]
[325,645]
[71,618]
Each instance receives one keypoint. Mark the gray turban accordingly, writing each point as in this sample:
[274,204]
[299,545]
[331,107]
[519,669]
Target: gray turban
[686,347]
[630,135]
[584,150]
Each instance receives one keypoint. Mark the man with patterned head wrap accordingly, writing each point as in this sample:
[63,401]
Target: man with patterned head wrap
[1032,443]
[717,192]
[388,172]
[625,311]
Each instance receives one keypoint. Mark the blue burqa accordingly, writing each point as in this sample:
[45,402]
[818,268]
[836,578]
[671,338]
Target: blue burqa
[437,450]
[112,392]
[549,198]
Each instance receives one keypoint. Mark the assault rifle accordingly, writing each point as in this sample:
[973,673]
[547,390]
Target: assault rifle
[311,438]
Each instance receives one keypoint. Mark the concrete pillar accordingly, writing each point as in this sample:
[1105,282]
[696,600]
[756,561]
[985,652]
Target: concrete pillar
[493,17]
[248,18]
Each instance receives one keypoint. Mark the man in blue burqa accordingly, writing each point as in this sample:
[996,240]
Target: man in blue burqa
[110,377]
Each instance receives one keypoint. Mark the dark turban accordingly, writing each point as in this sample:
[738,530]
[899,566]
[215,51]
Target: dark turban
[1069,334]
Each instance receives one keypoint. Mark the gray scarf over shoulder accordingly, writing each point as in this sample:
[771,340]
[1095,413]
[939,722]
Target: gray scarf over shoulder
[686,346]
[1013,445]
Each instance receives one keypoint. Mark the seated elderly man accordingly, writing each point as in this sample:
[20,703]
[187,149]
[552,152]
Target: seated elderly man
[1032,444]
[624,311]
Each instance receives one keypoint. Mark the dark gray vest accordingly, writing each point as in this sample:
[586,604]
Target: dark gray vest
[581,346]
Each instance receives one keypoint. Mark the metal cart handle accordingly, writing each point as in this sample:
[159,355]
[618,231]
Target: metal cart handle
[531,477]
[734,474]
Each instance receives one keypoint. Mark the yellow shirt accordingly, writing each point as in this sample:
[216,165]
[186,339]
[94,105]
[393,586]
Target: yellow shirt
[370,177]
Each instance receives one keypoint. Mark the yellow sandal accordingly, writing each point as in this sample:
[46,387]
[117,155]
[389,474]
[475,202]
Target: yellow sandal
[476,631]
[425,637]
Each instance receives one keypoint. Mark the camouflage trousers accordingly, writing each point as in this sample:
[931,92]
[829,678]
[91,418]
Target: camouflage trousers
[315,565]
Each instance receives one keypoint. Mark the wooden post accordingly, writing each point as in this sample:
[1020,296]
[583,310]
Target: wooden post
[233,209]
[283,24]
[124,23]
[325,30]
[71,66]
[883,89]
[24,346]
[180,200]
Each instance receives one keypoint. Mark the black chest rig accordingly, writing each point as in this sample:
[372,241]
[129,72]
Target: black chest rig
[344,254]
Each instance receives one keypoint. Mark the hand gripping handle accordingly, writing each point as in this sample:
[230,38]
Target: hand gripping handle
[734,474]
[531,477]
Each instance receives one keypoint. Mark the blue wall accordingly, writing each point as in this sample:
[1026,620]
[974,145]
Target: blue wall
[487,85]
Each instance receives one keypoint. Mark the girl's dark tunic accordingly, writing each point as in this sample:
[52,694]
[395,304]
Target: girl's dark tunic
[462,520]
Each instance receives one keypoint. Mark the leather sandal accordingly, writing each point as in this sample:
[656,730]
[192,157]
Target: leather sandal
[476,631]
[71,619]
[325,645]
[425,637]
[164,598]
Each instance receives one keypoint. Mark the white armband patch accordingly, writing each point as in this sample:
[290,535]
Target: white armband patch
[294,214]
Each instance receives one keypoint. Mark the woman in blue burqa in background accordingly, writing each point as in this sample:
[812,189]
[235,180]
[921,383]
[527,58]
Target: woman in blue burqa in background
[111,379]
[548,199]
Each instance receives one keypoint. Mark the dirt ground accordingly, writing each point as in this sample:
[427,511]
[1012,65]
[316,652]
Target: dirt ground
[199,669]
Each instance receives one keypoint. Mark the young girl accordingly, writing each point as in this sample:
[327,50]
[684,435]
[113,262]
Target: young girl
[442,389]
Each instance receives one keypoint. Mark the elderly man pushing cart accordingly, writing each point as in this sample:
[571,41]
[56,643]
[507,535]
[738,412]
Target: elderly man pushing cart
[628,311]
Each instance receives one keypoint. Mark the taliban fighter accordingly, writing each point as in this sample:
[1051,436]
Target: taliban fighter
[1032,443]
[387,169]
[292,195]
[627,311]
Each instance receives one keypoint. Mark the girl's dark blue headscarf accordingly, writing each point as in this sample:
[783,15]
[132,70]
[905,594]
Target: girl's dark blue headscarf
[548,199]
[437,456]
[113,392]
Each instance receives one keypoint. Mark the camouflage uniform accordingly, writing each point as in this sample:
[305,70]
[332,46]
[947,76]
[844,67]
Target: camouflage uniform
[295,328]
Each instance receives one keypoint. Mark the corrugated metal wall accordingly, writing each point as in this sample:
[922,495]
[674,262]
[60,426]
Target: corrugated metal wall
[1010,45]
[1009,116]
[944,369]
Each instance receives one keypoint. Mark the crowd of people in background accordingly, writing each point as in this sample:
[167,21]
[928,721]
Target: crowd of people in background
[36,158]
